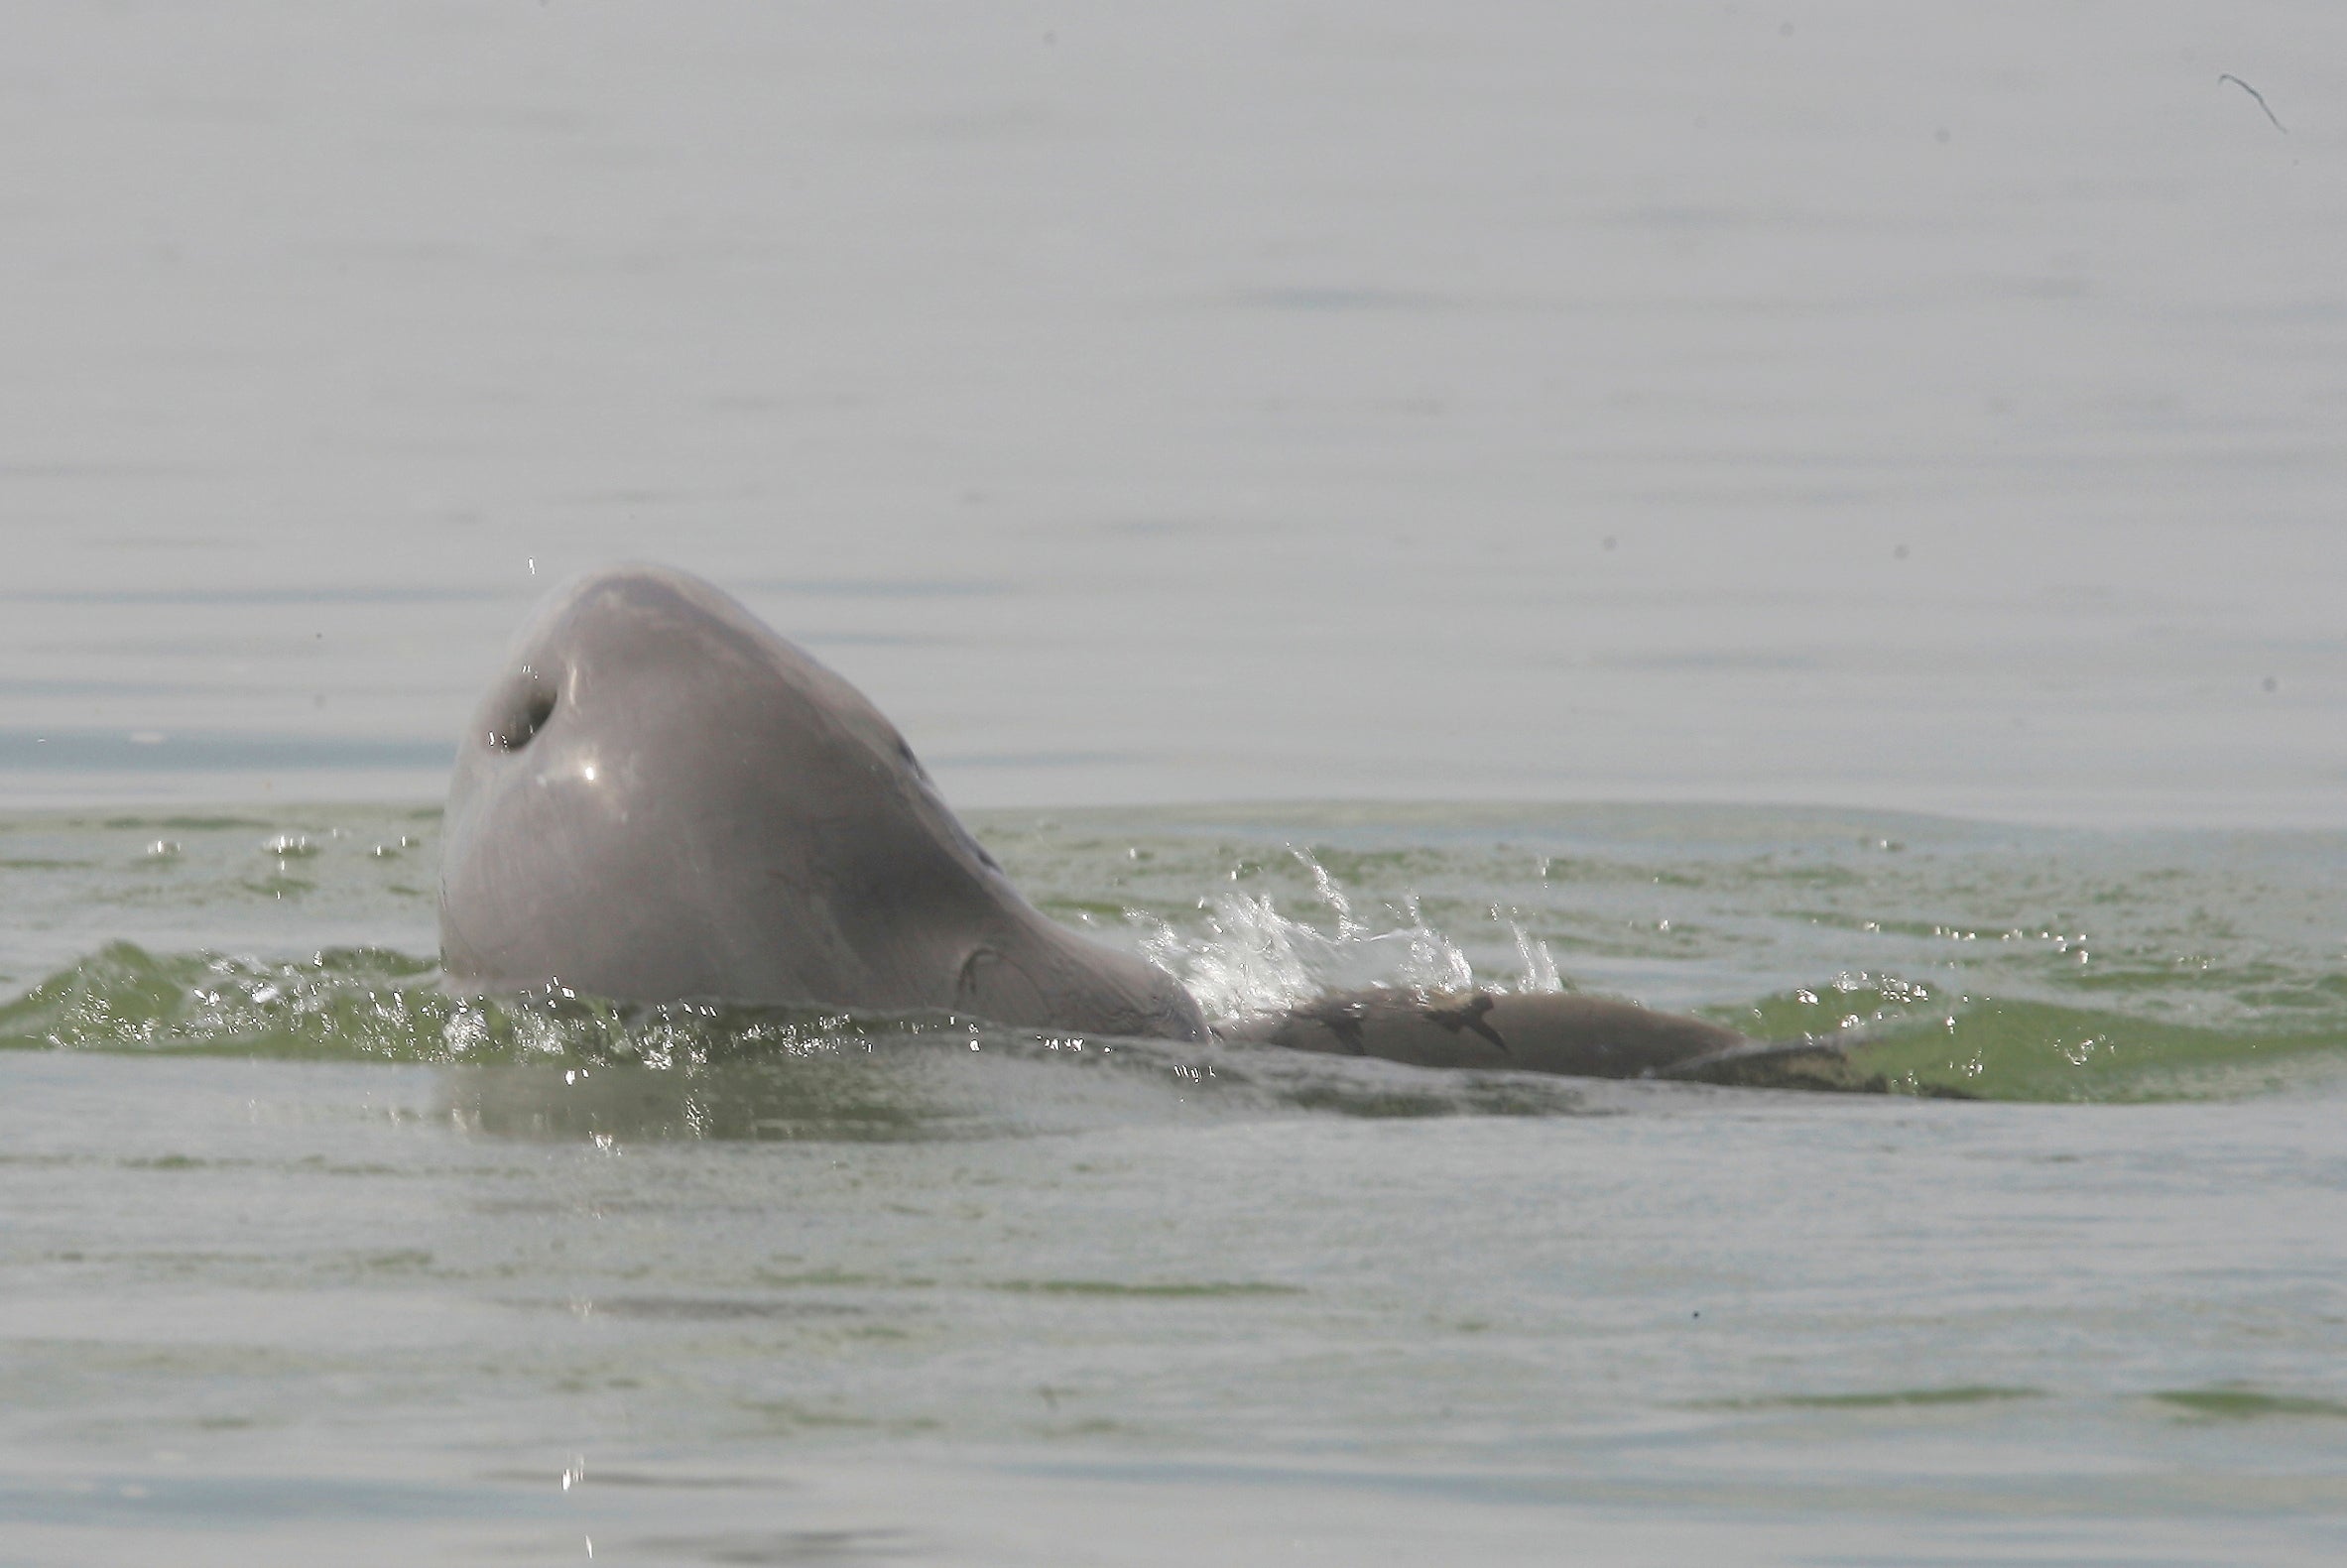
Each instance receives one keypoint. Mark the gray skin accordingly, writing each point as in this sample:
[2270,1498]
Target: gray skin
[660,800]
[1539,1031]
[1546,1031]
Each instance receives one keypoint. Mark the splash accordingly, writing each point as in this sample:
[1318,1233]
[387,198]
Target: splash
[375,1004]
[1247,958]
[344,1004]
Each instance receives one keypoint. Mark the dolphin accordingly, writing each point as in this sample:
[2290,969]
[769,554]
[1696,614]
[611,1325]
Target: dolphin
[661,799]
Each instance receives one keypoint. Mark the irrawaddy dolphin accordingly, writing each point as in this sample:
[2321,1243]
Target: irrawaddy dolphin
[661,799]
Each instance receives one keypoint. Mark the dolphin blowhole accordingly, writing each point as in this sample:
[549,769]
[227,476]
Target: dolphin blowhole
[661,799]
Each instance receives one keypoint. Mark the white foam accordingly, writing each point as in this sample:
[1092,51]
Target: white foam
[1248,957]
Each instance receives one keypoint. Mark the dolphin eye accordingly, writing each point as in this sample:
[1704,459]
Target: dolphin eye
[520,712]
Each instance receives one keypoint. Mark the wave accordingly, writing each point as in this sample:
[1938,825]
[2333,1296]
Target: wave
[847,1074]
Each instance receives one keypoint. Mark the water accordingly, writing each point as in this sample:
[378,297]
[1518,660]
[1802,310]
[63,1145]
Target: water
[1896,451]
[304,1250]
[1935,411]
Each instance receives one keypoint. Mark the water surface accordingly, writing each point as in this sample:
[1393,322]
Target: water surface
[303,1249]
[1893,449]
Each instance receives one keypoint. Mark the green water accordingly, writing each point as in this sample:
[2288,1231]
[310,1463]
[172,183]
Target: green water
[299,1247]
[2003,963]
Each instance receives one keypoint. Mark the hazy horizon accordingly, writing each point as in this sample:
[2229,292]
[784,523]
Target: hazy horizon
[1932,411]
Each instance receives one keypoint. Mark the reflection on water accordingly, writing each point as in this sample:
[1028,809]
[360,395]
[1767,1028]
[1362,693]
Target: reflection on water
[974,1086]
[811,1096]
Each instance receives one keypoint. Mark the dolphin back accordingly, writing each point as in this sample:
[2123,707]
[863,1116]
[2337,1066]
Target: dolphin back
[1577,1035]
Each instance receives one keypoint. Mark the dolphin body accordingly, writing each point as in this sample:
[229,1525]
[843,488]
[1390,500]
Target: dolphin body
[661,799]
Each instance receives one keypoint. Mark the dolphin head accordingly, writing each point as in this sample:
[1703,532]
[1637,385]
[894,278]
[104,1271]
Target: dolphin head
[659,798]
